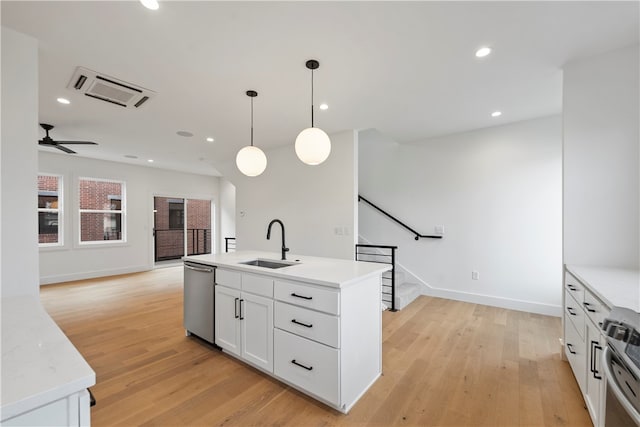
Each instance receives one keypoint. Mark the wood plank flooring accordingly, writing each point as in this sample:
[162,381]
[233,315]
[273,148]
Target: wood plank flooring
[445,363]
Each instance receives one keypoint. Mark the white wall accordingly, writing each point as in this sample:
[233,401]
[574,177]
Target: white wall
[227,211]
[19,159]
[312,201]
[601,160]
[73,262]
[496,191]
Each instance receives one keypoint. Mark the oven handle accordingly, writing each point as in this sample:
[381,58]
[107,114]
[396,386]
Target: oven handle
[615,388]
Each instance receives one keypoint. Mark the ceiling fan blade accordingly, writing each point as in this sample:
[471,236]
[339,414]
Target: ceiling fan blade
[76,142]
[65,149]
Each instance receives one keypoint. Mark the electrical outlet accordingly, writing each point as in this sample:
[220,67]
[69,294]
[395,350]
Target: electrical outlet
[338,231]
[439,229]
[475,275]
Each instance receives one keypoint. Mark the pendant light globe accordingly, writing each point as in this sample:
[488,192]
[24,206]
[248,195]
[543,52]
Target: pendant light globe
[313,146]
[251,160]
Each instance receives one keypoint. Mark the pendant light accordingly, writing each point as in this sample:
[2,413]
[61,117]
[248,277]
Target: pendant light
[313,145]
[251,160]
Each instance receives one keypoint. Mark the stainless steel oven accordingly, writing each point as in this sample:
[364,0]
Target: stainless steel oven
[622,368]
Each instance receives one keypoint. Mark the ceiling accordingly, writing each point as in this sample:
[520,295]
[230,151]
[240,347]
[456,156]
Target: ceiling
[406,69]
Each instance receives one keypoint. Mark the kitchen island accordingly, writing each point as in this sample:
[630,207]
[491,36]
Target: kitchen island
[314,324]
[44,377]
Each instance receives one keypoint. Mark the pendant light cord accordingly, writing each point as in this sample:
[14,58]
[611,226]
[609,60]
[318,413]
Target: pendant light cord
[252,121]
[312,98]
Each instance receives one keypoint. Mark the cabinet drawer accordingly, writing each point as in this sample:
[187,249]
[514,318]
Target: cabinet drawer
[574,287]
[595,309]
[307,364]
[229,278]
[314,325]
[574,312]
[307,296]
[259,285]
[575,347]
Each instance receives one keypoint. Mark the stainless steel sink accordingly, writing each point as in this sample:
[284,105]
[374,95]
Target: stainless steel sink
[268,263]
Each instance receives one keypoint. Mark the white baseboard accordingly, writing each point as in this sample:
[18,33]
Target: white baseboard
[493,301]
[49,280]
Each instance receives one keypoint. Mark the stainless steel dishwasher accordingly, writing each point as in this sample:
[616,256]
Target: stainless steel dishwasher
[199,297]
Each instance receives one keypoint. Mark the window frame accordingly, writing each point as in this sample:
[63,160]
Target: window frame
[122,211]
[59,210]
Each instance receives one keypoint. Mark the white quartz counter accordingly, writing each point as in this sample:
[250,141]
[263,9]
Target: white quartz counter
[331,272]
[615,287]
[39,363]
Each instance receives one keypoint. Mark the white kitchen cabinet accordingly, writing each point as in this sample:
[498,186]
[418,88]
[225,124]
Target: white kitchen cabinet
[227,319]
[315,325]
[73,410]
[256,319]
[244,321]
[595,385]
[584,313]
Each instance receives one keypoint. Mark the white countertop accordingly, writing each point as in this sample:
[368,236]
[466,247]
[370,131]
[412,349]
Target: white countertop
[614,286]
[39,363]
[331,272]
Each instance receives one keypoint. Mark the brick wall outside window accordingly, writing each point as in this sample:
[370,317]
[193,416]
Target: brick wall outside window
[101,195]
[169,243]
[48,198]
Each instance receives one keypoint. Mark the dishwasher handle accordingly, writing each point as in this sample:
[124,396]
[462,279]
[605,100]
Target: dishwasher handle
[200,269]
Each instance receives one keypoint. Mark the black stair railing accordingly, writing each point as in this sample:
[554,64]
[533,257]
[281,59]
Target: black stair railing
[388,215]
[385,255]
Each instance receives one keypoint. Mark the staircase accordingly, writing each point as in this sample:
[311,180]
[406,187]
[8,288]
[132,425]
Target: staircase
[406,292]
[396,292]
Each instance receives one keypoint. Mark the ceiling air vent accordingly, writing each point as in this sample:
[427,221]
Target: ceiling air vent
[109,89]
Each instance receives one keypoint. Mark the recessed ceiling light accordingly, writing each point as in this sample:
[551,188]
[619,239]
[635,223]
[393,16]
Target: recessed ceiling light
[496,114]
[130,156]
[150,4]
[209,139]
[324,106]
[63,101]
[184,133]
[483,51]
[150,160]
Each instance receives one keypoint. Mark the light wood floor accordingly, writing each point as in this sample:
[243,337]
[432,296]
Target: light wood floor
[446,363]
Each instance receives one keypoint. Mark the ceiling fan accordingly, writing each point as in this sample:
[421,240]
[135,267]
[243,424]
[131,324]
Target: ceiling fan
[48,141]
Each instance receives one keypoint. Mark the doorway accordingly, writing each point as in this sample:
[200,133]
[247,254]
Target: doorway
[181,227]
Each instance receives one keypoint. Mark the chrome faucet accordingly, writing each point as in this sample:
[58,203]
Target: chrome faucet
[284,248]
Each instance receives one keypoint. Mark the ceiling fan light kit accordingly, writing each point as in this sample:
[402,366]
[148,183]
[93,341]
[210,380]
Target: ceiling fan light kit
[251,160]
[313,145]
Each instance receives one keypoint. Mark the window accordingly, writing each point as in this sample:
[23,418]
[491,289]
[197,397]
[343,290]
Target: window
[102,210]
[176,214]
[49,210]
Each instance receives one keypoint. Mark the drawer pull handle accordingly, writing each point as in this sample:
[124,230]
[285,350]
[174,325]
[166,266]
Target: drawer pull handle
[570,347]
[588,307]
[572,288]
[293,294]
[235,308]
[308,368]
[571,312]
[306,325]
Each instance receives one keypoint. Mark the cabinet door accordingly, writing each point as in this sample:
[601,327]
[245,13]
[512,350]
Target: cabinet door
[228,319]
[257,330]
[595,383]
[576,355]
